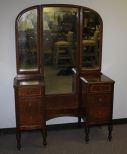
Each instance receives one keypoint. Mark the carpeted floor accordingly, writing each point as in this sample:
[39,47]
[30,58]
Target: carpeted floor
[68,141]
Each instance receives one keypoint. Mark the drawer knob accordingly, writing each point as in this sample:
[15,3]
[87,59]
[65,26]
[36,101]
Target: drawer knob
[100,99]
[29,105]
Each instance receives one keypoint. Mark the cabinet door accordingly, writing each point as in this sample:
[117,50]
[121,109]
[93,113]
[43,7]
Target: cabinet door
[99,108]
[30,112]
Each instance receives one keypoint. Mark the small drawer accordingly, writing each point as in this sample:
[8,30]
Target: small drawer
[95,99]
[30,91]
[100,88]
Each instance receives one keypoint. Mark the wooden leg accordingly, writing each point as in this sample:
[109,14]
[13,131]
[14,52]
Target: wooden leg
[87,133]
[44,134]
[18,138]
[79,121]
[110,132]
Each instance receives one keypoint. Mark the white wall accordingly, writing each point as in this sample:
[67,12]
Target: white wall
[114,15]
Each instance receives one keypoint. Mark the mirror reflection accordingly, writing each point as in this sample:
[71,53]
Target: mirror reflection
[90,40]
[59,46]
[27,41]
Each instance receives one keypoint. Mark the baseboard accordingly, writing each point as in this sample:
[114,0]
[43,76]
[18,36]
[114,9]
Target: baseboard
[49,128]
[120,121]
[61,126]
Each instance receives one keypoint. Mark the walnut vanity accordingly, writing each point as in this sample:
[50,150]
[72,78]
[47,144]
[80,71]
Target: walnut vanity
[58,55]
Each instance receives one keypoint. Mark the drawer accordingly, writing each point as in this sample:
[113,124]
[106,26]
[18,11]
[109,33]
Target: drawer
[100,88]
[30,91]
[99,98]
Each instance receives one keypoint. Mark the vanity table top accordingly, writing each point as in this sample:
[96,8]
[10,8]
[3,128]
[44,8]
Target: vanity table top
[33,82]
[96,79]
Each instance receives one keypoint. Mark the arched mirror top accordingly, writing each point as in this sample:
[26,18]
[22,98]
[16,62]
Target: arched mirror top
[29,39]
[91,41]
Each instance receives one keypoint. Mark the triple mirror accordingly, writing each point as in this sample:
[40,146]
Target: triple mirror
[54,40]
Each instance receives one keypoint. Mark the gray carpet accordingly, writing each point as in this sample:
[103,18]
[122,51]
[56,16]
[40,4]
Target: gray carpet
[68,141]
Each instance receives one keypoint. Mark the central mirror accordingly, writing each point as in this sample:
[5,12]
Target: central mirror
[59,48]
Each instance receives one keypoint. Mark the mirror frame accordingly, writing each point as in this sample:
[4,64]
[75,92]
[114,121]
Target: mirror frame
[91,70]
[40,57]
[38,70]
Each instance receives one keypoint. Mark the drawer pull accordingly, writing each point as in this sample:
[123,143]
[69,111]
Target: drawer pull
[100,99]
[31,118]
[29,105]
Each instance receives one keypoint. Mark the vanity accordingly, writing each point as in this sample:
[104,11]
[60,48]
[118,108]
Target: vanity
[58,57]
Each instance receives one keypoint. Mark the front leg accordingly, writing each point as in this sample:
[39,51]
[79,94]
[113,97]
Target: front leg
[44,134]
[79,121]
[110,132]
[18,138]
[87,133]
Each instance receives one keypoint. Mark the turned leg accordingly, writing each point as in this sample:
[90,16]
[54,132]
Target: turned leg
[44,134]
[87,133]
[79,121]
[110,132]
[18,138]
